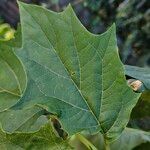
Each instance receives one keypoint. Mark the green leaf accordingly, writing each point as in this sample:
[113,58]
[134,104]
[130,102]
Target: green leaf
[142,74]
[44,139]
[12,77]
[22,120]
[130,139]
[72,69]
[71,73]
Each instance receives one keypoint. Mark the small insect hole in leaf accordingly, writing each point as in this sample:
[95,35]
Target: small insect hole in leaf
[59,130]
[73,73]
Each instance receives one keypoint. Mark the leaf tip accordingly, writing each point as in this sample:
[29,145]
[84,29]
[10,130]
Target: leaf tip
[69,8]
[112,28]
[69,5]
[19,3]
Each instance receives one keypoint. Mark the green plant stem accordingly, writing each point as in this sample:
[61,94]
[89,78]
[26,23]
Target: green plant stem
[107,147]
[86,142]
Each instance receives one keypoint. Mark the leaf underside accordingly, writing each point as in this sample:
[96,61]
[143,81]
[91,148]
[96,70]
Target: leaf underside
[142,74]
[129,140]
[76,75]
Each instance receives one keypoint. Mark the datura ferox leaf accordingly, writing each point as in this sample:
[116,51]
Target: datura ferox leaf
[72,74]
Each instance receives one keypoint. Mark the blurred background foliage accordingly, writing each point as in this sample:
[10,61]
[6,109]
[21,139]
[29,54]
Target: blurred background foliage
[132,18]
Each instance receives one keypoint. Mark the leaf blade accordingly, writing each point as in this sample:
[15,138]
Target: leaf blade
[69,72]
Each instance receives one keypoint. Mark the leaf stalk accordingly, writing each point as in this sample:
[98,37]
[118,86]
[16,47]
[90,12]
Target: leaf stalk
[86,142]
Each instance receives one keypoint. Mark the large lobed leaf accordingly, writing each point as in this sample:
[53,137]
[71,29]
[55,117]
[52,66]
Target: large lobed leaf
[71,73]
